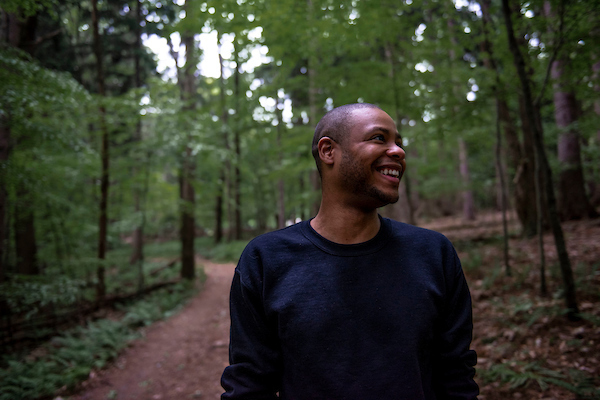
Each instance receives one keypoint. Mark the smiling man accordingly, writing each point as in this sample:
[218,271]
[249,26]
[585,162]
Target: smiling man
[350,305]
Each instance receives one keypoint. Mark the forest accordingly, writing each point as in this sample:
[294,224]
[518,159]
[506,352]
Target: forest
[141,138]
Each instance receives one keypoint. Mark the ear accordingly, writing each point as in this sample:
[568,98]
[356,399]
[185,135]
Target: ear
[326,150]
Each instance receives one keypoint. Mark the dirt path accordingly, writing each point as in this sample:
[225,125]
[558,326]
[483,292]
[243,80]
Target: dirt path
[180,358]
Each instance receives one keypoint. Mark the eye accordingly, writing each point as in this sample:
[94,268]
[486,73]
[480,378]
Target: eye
[378,136]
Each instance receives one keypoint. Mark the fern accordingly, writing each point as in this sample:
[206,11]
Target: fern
[79,350]
[518,374]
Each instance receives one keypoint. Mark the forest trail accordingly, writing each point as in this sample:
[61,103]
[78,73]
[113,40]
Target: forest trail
[183,357]
[178,358]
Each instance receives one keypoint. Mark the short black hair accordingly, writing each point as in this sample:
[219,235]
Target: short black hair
[336,124]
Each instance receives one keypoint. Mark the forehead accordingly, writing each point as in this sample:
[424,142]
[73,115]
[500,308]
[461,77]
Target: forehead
[365,120]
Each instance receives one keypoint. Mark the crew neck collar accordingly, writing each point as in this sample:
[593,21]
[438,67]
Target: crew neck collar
[349,250]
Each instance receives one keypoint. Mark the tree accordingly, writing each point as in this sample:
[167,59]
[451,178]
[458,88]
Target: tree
[573,202]
[104,177]
[22,36]
[541,160]
[187,85]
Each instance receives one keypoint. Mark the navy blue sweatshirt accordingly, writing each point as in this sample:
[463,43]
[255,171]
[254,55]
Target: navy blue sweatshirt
[386,319]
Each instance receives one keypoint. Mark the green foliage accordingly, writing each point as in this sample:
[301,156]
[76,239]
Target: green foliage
[28,294]
[222,252]
[68,361]
[158,305]
[517,374]
[25,8]
[69,358]
[472,262]
[491,277]
[590,318]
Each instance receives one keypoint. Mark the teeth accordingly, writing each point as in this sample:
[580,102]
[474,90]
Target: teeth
[391,172]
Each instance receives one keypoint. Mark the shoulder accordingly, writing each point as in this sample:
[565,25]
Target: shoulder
[274,240]
[274,246]
[268,255]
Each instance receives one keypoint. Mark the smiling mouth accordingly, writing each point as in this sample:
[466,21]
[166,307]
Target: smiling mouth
[390,172]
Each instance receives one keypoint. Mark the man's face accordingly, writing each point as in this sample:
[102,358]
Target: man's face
[372,161]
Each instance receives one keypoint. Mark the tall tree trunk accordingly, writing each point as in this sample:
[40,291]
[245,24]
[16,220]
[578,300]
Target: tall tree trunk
[137,254]
[187,230]
[188,165]
[219,208]
[468,203]
[596,185]
[573,202]
[503,195]
[313,92]
[406,212]
[5,147]
[523,178]
[526,172]
[237,180]
[222,174]
[503,121]
[104,180]
[280,183]
[563,256]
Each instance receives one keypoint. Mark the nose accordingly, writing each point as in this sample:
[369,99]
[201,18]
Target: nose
[396,151]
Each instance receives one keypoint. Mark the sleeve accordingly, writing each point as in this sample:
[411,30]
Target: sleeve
[254,351]
[454,361]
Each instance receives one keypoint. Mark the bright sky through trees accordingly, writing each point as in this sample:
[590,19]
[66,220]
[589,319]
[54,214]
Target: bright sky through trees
[209,62]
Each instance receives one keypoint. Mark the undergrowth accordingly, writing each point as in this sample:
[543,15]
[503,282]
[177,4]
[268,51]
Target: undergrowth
[69,358]
[519,374]
[221,252]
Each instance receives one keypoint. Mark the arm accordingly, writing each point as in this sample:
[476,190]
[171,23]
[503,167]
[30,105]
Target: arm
[254,355]
[454,361]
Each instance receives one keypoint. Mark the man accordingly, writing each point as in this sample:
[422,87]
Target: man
[350,305]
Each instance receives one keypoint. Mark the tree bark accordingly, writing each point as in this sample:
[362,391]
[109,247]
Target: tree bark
[313,91]
[405,206]
[573,202]
[526,170]
[563,256]
[468,203]
[221,184]
[519,155]
[5,149]
[237,180]
[596,185]
[522,163]
[137,254]
[503,195]
[187,194]
[104,180]
[280,183]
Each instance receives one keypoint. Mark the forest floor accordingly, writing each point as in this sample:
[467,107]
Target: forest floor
[527,349]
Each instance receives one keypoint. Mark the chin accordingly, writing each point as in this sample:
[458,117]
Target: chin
[394,200]
[383,199]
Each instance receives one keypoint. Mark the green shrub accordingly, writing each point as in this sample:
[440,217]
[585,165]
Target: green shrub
[76,352]
[518,374]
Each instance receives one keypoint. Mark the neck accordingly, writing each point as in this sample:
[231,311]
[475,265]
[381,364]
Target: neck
[345,225]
